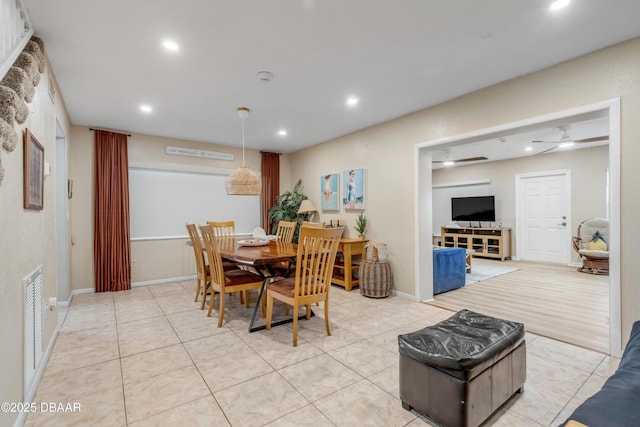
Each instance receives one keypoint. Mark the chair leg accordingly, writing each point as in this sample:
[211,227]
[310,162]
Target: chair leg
[221,314]
[213,297]
[269,310]
[326,317]
[197,289]
[205,288]
[295,325]
[308,311]
[246,298]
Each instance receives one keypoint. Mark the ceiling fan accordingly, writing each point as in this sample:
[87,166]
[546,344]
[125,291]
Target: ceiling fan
[451,161]
[566,140]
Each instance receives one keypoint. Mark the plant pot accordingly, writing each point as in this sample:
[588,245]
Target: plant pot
[362,237]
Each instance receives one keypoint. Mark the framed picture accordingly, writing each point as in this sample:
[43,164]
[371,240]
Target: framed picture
[329,192]
[33,172]
[353,187]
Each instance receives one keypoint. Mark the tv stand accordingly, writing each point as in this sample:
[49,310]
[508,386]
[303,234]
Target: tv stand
[483,242]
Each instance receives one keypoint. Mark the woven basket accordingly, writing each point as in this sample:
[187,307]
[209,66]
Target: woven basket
[375,279]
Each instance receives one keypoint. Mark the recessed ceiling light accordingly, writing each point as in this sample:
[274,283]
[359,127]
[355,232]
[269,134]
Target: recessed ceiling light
[170,45]
[146,108]
[352,101]
[559,4]
[528,149]
[282,132]
[448,163]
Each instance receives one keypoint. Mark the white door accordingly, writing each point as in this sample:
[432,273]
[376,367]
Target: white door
[545,203]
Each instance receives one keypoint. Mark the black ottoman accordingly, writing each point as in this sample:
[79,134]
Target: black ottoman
[459,371]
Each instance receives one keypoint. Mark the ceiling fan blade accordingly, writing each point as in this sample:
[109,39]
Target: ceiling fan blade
[547,150]
[547,142]
[470,159]
[594,139]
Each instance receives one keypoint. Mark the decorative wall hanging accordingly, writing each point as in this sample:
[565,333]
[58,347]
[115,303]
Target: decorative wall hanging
[329,192]
[17,88]
[353,187]
[33,172]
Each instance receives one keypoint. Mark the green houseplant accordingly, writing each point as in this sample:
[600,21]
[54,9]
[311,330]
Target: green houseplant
[286,208]
[361,225]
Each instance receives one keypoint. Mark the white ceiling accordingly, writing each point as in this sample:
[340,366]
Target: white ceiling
[519,142]
[396,56]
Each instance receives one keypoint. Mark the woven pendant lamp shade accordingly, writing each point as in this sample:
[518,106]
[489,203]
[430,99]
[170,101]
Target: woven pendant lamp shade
[243,182]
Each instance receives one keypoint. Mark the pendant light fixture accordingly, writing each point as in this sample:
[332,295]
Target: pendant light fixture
[243,182]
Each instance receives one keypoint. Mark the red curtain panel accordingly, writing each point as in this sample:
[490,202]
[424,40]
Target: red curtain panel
[112,249]
[270,170]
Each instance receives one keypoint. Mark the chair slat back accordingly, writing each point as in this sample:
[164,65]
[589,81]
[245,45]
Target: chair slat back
[213,254]
[223,228]
[317,249]
[313,224]
[197,247]
[285,231]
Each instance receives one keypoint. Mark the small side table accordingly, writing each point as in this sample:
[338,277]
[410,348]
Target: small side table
[343,271]
[375,279]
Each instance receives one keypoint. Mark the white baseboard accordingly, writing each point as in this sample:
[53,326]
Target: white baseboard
[403,295]
[133,285]
[31,392]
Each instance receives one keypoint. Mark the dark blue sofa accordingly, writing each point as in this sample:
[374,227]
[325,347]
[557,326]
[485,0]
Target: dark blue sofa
[617,404]
[449,269]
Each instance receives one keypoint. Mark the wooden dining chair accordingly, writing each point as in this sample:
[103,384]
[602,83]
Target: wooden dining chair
[225,282]
[284,234]
[317,249]
[203,275]
[313,224]
[286,230]
[202,269]
[223,228]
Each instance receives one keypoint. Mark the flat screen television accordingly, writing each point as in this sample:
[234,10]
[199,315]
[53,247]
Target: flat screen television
[481,208]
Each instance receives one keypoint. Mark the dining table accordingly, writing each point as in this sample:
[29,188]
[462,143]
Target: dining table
[261,256]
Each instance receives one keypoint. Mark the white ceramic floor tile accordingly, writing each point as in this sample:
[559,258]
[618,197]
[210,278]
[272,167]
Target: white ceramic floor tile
[319,376]
[202,412]
[259,401]
[153,353]
[364,403]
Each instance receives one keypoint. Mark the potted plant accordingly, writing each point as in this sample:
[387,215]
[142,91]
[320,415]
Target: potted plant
[361,225]
[286,208]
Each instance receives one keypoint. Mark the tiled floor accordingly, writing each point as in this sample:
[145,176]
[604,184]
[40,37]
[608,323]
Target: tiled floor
[151,357]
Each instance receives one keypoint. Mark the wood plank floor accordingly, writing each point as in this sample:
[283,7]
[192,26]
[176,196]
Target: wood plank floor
[551,300]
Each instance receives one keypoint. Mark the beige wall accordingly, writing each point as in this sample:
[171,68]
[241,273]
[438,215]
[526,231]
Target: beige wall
[588,168]
[387,151]
[27,240]
[154,260]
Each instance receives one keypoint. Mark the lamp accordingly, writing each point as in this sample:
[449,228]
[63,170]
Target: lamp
[242,181]
[307,207]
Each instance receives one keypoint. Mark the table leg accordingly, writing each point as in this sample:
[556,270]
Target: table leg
[347,273]
[253,328]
